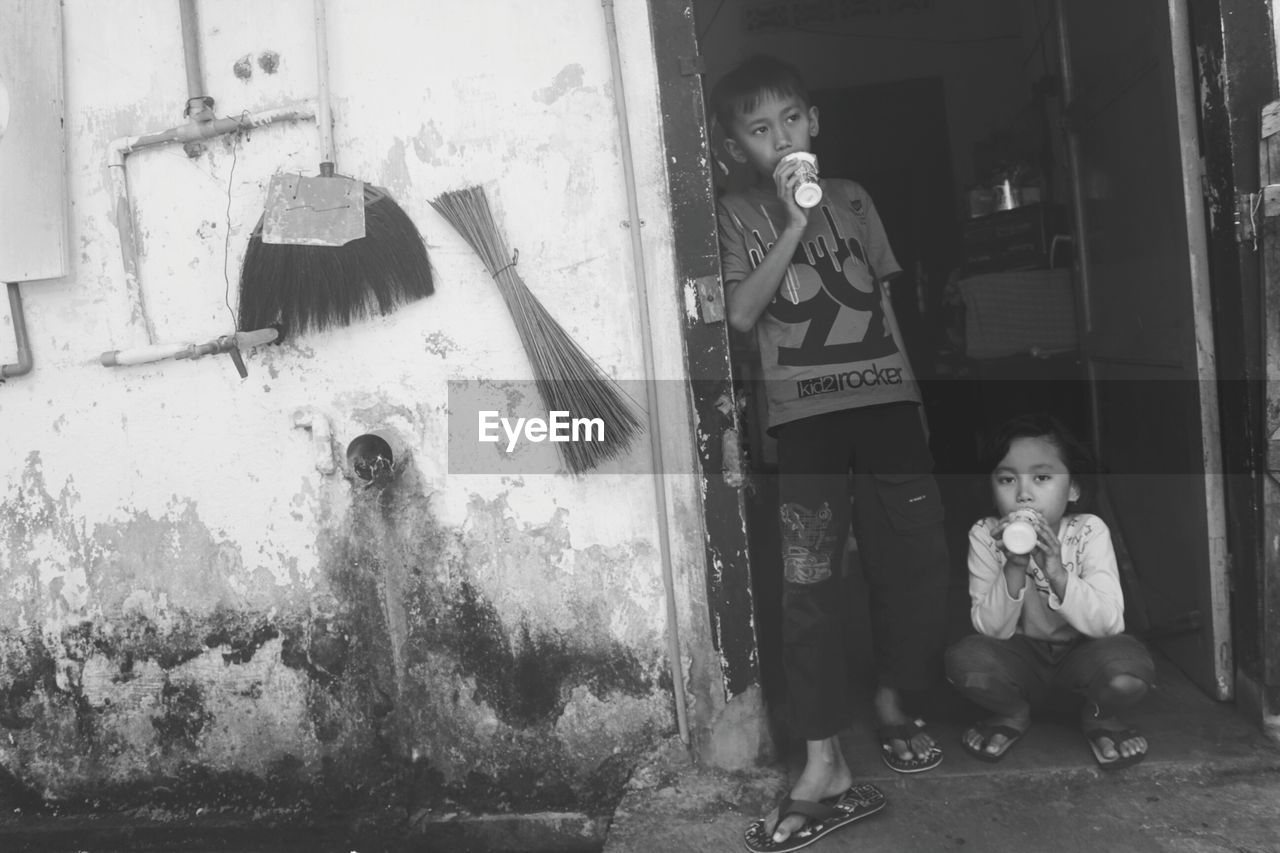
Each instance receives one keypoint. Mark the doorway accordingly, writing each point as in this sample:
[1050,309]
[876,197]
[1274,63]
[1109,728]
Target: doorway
[1138,377]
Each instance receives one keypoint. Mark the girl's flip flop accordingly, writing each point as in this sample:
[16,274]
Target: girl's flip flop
[905,732]
[986,730]
[1117,737]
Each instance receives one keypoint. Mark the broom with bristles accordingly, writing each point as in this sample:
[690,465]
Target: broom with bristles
[329,249]
[567,379]
[314,287]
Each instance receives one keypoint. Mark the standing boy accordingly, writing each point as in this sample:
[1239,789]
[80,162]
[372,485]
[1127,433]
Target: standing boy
[841,398]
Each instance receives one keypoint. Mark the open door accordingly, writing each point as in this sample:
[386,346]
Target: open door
[1268,221]
[1148,338]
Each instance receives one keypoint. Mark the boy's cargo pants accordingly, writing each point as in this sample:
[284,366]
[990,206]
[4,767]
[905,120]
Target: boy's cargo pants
[897,518]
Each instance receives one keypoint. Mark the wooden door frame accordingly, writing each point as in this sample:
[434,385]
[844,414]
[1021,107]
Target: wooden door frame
[729,605]
[1233,46]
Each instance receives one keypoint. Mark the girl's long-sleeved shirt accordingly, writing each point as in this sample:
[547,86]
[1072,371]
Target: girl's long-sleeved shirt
[1092,604]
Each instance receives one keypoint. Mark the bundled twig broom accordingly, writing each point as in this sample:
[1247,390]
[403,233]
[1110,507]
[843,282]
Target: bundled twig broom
[567,378]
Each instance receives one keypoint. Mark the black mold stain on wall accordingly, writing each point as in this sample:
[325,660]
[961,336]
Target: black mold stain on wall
[33,702]
[396,607]
[136,638]
[19,680]
[526,677]
[183,718]
[526,674]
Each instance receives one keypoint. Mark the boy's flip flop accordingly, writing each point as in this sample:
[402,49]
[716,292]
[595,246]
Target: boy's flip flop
[820,818]
[1117,737]
[986,730]
[905,732]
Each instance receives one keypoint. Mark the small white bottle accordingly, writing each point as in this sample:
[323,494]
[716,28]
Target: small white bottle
[1019,536]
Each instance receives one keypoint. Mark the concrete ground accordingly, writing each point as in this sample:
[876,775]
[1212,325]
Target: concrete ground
[1210,783]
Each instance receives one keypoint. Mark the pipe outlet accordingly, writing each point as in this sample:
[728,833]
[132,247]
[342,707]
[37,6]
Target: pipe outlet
[377,456]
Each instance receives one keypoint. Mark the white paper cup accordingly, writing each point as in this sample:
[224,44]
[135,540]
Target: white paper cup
[808,191]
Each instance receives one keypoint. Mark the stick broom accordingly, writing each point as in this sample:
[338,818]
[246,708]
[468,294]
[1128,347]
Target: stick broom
[567,378]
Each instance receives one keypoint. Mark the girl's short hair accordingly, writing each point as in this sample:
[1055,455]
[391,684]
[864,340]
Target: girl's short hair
[1076,455]
[756,78]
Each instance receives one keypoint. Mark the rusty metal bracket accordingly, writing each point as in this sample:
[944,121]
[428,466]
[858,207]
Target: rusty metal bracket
[1252,207]
[710,298]
[1245,213]
[690,65]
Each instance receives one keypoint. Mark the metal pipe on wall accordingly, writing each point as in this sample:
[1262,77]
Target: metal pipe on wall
[120,148]
[646,340]
[23,365]
[203,125]
[199,105]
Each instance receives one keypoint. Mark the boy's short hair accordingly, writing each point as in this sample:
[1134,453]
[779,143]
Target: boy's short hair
[754,79]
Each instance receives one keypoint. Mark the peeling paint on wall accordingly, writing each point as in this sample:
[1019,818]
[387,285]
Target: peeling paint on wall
[691,312]
[269,61]
[570,77]
[439,344]
[429,145]
[395,172]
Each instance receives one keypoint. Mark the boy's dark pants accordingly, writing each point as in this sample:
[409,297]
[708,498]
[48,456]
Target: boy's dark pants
[898,522]
[1007,676]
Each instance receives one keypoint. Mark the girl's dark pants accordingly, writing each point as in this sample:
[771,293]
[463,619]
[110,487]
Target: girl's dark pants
[897,518]
[1007,676]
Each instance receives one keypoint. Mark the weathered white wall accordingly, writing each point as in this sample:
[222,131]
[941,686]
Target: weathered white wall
[154,519]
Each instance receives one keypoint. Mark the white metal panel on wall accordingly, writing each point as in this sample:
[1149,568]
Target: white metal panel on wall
[33,216]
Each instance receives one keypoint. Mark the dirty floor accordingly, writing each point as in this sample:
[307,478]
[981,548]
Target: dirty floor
[1210,784]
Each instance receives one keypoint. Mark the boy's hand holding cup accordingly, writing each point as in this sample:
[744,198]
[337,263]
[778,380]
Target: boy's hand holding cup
[807,192]
[796,177]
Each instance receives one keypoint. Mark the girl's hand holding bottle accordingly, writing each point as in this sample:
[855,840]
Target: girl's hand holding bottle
[1048,551]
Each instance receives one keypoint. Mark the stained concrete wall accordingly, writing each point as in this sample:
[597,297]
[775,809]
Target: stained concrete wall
[198,603]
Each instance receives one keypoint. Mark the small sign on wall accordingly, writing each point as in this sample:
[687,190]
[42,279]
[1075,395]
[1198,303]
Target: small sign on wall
[33,184]
[813,13]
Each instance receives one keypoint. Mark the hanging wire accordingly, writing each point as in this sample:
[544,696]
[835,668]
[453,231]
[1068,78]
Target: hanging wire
[714,15]
[226,242]
[1253,222]
[1040,42]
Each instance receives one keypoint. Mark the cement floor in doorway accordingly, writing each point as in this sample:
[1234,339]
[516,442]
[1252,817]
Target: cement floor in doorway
[1210,783]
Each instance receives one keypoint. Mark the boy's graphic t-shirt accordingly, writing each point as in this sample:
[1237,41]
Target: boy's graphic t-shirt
[826,342]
